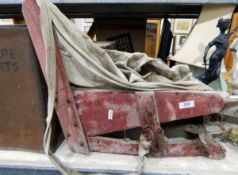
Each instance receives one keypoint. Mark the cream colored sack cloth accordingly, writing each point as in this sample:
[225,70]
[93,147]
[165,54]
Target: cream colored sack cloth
[89,66]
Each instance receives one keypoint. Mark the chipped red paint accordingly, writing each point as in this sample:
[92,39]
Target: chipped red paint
[150,120]
[65,104]
[204,104]
[215,151]
[183,149]
[124,103]
[94,109]
[139,109]
[110,145]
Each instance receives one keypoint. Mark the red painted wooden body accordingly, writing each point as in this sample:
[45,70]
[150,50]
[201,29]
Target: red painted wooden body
[106,112]
[146,110]
[172,105]
[93,108]
[110,145]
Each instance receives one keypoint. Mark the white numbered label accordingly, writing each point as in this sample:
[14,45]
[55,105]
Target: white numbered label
[187,104]
[110,114]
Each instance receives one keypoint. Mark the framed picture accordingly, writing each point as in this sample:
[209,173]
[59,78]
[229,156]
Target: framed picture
[87,26]
[152,40]
[178,42]
[6,21]
[182,39]
[123,42]
[182,26]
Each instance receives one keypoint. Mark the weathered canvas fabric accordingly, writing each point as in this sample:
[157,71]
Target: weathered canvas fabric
[87,65]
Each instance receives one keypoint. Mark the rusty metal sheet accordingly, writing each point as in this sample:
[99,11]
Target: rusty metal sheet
[22,108]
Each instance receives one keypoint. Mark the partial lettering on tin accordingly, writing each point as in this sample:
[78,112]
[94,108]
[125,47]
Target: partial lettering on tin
[8,62]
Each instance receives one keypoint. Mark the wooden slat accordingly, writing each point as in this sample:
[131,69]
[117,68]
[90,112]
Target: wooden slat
[65,106]
[106,112]
[110,145]
[183,105]
[150,120]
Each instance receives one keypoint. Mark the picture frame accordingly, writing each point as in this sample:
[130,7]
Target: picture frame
[182,39]
[152,41]
[182,26]
[179,41]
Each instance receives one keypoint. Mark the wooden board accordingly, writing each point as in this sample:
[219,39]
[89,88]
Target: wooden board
[106,112]
[65,104]
[22,91]
[228,59]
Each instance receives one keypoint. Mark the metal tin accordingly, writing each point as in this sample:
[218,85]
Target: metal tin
[22,91]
